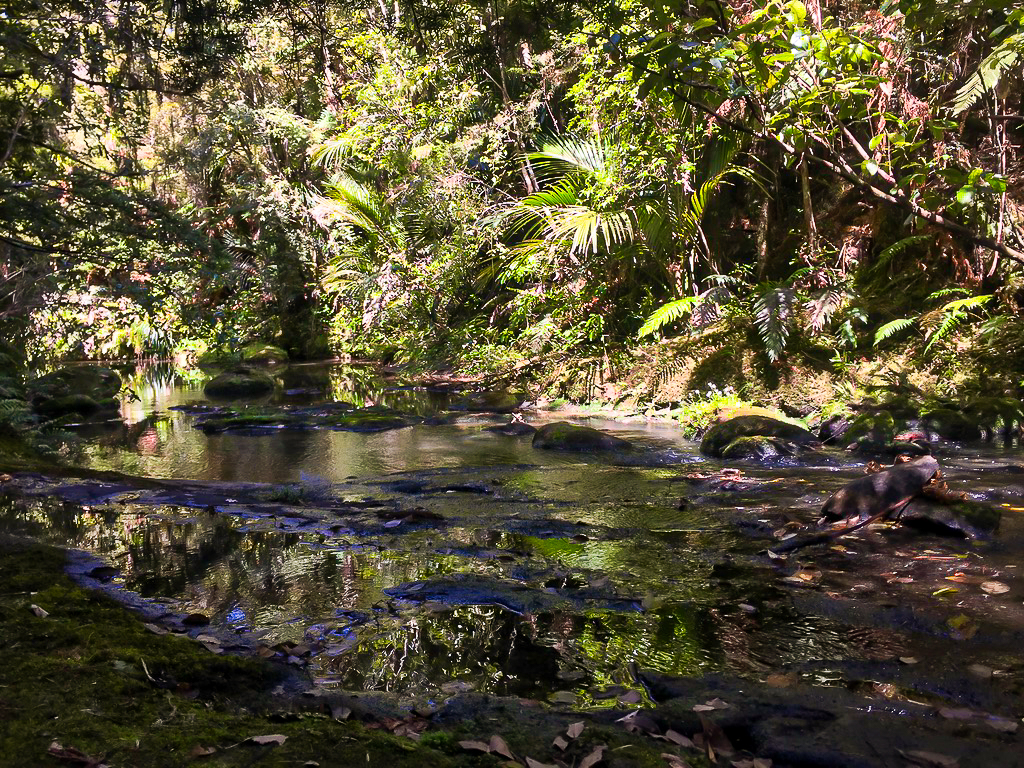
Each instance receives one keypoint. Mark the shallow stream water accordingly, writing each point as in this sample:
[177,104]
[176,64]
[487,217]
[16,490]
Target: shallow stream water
[443,557]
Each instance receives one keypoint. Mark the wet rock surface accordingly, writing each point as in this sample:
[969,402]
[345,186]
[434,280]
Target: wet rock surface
[563,436]
[239,382]
[80,390]
[755,435]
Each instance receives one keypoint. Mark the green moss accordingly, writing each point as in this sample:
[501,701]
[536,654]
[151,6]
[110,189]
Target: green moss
[258,352]
[81,677]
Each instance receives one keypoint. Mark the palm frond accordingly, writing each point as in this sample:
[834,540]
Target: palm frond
[566,155]
[986,76]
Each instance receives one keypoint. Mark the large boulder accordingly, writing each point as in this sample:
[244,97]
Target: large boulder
[873,494]
[80,390]
[241,381]
[563,436]
[756,423]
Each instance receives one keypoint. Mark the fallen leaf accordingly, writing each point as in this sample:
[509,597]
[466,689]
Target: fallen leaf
[674,761]
[945,591]
[275,739]
[531,763]
[593,758]
[677,738]
[930,759]
[980,670]
[393,523]
[956,714]
[715,739]
[42,614]
[575,730]
[1002,724]
[715,704]
[475,746]
[908,660]
[202,751]
[499,745]
[72,755]
[631,697]
[560,742]
[208,639]
[156,630]
[994,587]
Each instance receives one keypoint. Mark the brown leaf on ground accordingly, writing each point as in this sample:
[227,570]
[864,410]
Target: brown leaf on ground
[272,739]
[560,743]
[72,755]
[531,763]
[715,739]
[575,730]
[674,761]
[677,738]
[994,587]
[593,758]
[199,751]
[475,746]
[499,745]
[40,612]
[930,759]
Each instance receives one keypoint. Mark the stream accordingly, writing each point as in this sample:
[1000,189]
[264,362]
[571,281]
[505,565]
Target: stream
[442,557]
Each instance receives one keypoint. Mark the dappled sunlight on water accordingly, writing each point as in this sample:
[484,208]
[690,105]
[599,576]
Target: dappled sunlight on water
[518,571]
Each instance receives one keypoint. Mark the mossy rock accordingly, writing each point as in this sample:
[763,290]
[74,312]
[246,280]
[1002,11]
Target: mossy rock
[512,429]
[993,412]
[873,430]
[498,401]
[723,434]
[951,424]
[758,447]
[563,436]
[79,389]
[240,382]
[970,519]
[263,353]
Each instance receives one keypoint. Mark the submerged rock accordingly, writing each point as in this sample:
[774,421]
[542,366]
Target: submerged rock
[563,436]
[240,382]
[82,390]
[783,435]
[497,401]
[341,416]
[512,429]
[970,519]
[872,494]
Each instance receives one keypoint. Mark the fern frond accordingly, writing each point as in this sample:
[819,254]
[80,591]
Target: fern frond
[666,314]
[986,77]
[891,329]
[898,247]
[821,308]
[773,311]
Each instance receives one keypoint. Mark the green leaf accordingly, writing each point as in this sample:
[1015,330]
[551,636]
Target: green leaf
[666,314]
[891,329]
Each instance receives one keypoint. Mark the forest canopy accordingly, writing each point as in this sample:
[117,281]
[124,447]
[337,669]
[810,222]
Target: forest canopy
[478,184]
